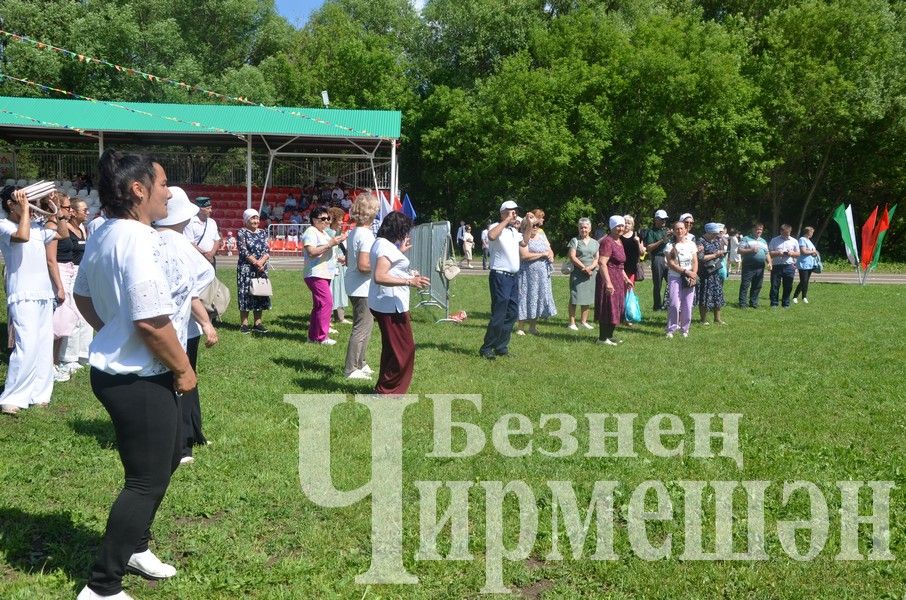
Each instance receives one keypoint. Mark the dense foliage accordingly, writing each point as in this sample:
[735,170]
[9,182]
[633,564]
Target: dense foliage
[775,110]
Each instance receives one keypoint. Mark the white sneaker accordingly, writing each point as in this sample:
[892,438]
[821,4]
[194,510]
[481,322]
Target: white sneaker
[327,342]
[367,370]
[60,374]
[669,336]
[186,460]
[572,327]
[358,374]
[146,565]
[87,594]
[685,334]
[795,300]
[345,322]
[73,367]
[520,332]
[607,342]
[805,300]
[588,326]
[332,330]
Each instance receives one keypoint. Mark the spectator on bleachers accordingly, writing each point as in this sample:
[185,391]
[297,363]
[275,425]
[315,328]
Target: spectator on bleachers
[266,211]
[337,193]
[304,202]
[230,243]
[290,202]
[295,218]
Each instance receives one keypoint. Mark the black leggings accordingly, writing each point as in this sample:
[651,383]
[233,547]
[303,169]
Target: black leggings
[147,422]
[190,405]
[804,276]
[606,330]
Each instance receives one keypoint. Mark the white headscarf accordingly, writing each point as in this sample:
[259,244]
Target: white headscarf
[616,221]
[248,214]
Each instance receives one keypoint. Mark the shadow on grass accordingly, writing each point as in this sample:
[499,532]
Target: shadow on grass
[46,542]
[447,347]
[329,385]
[100,429]
[291,321]
[304,366]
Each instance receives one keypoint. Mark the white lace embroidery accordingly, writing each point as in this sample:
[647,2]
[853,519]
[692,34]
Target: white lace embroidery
[148,299]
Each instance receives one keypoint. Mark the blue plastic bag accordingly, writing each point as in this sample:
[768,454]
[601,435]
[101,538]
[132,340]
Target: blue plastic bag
[632,311]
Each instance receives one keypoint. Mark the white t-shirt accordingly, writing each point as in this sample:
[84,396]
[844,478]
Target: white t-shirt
[190,263]
[685,252]
[202,236]
[389,298]
[789,245]
[123,273]
[26,263]
[324,266]
[505,250]
[360,240]
[484,239]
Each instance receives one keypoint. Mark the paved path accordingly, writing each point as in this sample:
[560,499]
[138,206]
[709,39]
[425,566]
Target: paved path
[295,262]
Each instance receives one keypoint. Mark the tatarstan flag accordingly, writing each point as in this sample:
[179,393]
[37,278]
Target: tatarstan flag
[869,236]
[882,227]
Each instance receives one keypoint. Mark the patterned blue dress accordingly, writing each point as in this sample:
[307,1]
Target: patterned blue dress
[251,244]
[536,297]
[710,290]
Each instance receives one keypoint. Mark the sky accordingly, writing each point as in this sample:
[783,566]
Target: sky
[298,11]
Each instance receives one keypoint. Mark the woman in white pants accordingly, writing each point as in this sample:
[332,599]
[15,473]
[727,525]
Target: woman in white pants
[29,295]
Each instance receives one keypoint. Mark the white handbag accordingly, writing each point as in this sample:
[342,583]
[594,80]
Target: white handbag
[261,286]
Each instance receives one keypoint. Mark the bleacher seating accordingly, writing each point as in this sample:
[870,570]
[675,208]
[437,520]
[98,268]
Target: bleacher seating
[229,202]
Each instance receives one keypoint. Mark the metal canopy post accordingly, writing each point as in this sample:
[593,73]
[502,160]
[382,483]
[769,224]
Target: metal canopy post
[393,182]
[248,172]
[100,143]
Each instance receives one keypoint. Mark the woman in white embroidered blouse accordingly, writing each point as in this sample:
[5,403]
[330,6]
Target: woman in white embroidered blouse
[138,365]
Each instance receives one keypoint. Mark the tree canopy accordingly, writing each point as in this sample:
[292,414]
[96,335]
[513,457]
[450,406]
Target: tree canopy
[773,110]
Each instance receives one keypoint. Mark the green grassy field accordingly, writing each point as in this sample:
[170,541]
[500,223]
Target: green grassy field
[820,388]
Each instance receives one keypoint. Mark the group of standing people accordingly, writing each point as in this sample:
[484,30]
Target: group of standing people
[342,267]
[602,272]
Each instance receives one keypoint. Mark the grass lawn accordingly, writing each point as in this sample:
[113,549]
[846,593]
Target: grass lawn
[820,388]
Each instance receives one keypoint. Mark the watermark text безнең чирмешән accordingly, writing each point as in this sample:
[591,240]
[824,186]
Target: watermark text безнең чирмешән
[664,436]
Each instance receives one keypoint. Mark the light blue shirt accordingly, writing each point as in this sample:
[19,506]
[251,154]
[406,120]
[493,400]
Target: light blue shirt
[805,261]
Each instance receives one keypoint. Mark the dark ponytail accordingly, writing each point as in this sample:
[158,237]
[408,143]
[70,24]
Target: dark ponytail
[118,171]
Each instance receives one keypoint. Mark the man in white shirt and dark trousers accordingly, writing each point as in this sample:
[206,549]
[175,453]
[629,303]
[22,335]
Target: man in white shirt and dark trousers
[504,241]
[784,250]
[202,230]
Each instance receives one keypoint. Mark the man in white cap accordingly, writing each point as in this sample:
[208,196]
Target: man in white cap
[504,243]
[655,240]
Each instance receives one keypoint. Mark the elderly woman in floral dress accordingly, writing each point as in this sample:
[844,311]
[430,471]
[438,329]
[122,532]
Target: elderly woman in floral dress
[536,297]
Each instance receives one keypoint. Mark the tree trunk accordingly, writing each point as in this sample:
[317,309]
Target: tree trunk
[811,193]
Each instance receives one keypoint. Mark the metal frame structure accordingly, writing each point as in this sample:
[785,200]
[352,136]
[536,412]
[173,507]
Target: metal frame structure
[283,139]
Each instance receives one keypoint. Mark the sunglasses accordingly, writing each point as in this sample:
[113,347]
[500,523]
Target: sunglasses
[65,206]
[323,219]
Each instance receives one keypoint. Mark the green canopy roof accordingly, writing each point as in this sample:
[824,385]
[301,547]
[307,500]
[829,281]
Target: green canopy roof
[24,119]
